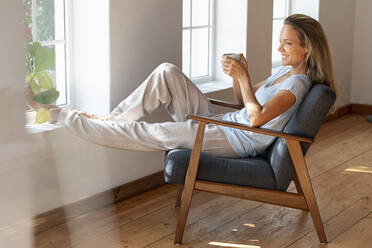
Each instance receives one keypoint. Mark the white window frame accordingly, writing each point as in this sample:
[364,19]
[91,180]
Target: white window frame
[210,26]
[277,63]
[55,42]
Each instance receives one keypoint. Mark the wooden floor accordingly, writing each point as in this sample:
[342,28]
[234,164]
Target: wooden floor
[340,165]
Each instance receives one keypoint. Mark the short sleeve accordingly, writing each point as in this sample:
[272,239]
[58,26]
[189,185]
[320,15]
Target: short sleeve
[298,85]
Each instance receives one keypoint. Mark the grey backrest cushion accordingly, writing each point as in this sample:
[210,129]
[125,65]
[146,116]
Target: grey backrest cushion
[306,121]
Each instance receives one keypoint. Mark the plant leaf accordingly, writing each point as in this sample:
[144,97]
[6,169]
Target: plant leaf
[47,97]
[45,81]
[35,88]
[29,77]
[35,46]
[42,115]
[44,58]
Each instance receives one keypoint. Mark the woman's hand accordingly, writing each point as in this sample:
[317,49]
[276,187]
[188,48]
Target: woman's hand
[235,69]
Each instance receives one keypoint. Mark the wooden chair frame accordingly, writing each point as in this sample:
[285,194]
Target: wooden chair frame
[304,199]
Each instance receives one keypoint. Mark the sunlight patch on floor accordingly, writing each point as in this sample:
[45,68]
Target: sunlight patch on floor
[222,244]
[362,169]
[249,225]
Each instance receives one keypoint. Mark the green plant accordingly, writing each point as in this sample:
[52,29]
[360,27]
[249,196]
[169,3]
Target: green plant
[39,60]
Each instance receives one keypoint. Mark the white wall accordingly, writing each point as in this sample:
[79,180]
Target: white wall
[143,35]
[361,88]
[337,18]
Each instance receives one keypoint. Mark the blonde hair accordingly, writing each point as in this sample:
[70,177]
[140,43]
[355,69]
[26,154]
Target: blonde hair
[318,64]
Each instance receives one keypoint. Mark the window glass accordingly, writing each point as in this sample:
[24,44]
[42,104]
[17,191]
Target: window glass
[279,9]
[28,20]
[186,13]
[277,26]
[60,73]
[45,34]
[57,71]
[199,54]
[200,13]
[196,42]
[59,20]
[45,20]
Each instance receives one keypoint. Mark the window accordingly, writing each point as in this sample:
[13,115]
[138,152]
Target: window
[280,12]
[197,39]
[45,23]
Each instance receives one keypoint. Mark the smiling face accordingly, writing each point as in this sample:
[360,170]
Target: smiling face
[293,53]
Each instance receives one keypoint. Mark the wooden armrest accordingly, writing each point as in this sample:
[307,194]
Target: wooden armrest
[225,104]
[251,129]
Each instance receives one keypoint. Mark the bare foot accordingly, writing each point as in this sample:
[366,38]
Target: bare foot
[92,116]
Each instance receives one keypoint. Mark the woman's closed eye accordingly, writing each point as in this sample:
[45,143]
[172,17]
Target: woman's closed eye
[285,42]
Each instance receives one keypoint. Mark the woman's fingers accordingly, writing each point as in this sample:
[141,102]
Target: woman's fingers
[244,62]
[233,68]
[229,63]
[230,66]
[227,68]
[242,59]
[226,59]
[225,65]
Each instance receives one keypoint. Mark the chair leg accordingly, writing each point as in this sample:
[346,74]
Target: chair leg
[182,217]
[297,184]
[189,183]
[179,195]
[299,163]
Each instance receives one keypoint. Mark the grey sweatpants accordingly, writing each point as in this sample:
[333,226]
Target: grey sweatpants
[167,86]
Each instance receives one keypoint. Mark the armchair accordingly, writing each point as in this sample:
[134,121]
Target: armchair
[264,178]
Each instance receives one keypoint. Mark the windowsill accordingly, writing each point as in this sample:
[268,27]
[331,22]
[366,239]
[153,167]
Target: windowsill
[32,128]
[38,128]
[213,86]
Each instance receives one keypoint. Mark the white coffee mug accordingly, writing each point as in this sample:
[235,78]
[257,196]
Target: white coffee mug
[235,56]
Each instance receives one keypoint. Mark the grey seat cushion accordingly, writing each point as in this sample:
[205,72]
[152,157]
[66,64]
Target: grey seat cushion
[254,172]
[274,169]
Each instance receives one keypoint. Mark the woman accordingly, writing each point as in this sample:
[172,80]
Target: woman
[269,104]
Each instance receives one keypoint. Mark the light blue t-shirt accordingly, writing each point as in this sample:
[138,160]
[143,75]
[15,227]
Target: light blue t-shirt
[247,143]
